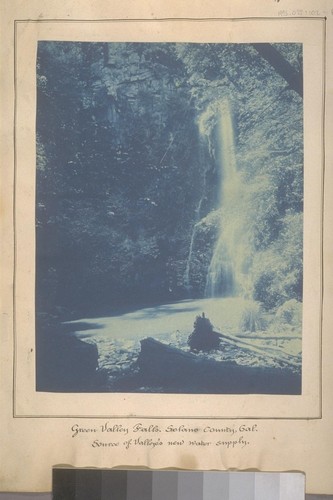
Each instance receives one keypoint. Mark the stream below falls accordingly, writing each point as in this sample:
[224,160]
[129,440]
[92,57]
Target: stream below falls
[118,337]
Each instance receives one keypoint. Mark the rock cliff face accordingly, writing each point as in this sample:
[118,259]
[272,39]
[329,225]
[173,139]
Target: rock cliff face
[118,199]
[64,363]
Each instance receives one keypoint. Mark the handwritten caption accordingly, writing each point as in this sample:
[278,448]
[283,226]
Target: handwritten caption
[111,435]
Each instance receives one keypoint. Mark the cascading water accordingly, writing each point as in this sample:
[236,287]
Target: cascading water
[227,273]
[187,274]
[187,280]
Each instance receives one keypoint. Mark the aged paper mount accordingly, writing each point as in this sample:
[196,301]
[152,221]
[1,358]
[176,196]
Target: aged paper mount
[40,404]
[270,432]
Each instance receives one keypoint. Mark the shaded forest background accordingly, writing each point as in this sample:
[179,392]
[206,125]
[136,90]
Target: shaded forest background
[125,170]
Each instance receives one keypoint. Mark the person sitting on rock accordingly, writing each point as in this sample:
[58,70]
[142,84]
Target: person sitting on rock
[203,337]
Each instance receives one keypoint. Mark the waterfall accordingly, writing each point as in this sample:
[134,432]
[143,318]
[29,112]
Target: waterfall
[187,280]
[187,274]
[227,273]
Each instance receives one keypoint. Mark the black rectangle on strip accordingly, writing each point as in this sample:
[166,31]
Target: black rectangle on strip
[63,484]
[88,485]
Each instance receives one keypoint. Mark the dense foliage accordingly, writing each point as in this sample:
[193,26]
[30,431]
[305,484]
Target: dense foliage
[127,177]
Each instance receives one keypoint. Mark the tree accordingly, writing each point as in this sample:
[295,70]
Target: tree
[293,77]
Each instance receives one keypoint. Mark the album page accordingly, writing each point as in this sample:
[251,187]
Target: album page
[166,233]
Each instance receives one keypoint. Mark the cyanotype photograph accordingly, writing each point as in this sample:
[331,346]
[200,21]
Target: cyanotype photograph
[169,217]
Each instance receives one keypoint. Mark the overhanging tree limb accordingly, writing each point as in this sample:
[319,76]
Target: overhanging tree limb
[293,77]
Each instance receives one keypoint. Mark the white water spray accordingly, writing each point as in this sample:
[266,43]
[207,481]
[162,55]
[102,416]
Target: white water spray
[187,274]
[187,280]
[228,274]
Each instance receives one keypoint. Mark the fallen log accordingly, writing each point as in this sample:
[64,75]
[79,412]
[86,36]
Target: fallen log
[181,371]
[270,352]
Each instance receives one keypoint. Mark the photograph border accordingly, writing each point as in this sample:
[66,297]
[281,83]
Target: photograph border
[322,173]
